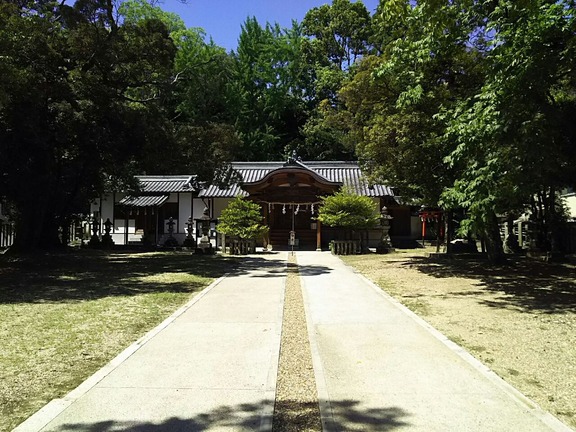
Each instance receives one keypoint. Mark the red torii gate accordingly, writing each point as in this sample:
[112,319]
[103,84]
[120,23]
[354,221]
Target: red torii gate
[431,215]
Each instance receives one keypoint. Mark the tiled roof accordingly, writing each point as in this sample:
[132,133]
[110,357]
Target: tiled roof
[347,173]
[166,184]
[143,200]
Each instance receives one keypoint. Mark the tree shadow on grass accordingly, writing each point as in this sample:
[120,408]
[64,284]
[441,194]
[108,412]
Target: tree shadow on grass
[86,275]
[348,415]
[524,284]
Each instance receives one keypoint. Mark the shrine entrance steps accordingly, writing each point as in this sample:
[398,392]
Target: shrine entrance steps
[305,239]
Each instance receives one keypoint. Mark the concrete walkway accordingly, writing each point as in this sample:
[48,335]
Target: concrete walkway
[213,365]
[379,367]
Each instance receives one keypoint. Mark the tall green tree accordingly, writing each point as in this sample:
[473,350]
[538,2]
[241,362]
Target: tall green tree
[273,88]
[390,106]
[79,90]
[515,143]
[338,36]
[198,130]
[466,98]
[340,32]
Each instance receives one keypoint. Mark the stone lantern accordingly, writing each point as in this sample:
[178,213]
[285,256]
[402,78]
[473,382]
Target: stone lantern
[171,241]
[107,238]
[95,225]
[189,240]
[385,244]
[203,231]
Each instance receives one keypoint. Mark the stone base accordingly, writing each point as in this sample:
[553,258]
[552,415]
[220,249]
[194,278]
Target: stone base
[384,248]
[205,248]
[107,241]
[189,243]
[171,242]
[94,242]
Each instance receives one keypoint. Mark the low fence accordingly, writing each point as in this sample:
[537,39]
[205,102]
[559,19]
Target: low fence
[7,232]
[345,247]
[239,246]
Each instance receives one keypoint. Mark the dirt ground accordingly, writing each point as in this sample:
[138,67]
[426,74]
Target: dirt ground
[519,319]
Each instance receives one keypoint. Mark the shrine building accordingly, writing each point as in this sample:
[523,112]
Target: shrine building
[289,194]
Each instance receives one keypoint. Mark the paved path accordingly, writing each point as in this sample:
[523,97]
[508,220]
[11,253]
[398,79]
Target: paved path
[212,366]
[379,367]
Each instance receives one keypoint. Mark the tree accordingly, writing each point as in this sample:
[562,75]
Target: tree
[463,100]
[389,107]
[516,123]
[199,135]
[349,211]
[339,36]
[272,86]
[242,219]
[80,90]
[340,32]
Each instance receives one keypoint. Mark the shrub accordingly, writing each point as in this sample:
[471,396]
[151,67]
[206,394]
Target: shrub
[347,210]
[242,218]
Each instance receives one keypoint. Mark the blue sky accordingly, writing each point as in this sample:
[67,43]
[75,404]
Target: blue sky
[222,19]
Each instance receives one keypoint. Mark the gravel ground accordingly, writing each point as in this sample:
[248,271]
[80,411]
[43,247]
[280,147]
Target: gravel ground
[296,407]
[519,320]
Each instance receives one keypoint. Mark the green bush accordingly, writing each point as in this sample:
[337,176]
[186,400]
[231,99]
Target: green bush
[242,218]
[347,210]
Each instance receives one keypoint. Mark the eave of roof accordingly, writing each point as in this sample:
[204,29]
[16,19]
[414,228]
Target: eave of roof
[166,184]
[347,173]
[143,200]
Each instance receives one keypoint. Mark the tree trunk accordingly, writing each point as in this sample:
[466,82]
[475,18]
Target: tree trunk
[36,227]
[438,225]
[449,228]
[494,246]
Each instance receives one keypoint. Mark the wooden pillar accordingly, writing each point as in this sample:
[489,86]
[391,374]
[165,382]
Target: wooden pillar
[318,235]
[156,229]
[126,222]
[266,217]
[423,230]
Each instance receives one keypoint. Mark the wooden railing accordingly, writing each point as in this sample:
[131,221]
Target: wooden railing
[345,247]
[240,246]
[6,234]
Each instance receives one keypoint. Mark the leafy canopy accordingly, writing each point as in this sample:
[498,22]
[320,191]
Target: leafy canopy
[242,218]
[347,210]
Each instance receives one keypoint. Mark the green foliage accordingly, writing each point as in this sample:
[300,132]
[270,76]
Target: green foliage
[79,94]
[462,100]
[391,118]
[515,146]
[340,32]
[134,11]
[272,87]
[347,210]
[243,219]
[200,136]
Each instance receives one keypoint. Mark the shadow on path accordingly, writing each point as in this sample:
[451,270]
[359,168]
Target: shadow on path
[89,275]
[348,415]
[276,268]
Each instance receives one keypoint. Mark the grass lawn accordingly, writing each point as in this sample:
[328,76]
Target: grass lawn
[65,315]
[519,319]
